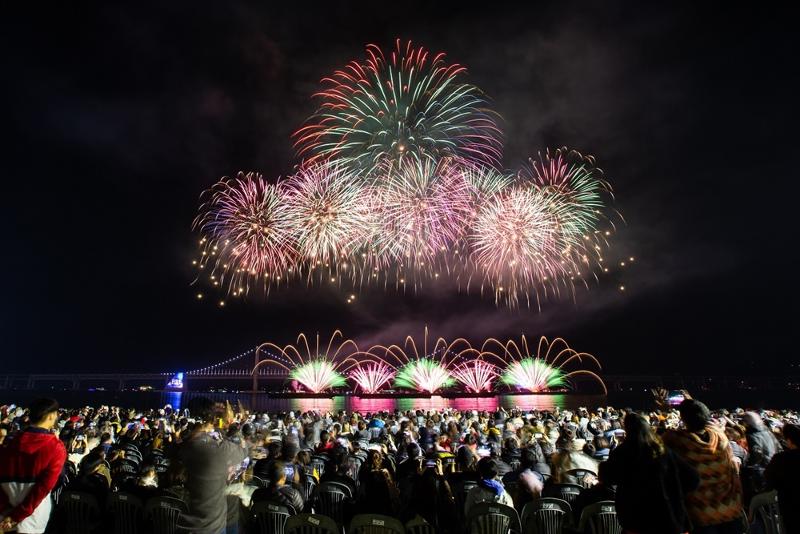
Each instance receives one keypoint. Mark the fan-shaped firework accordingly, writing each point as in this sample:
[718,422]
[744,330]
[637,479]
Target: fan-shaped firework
[317,367]
[421,212]
[411,104]
[371,376]
[244,228]
[532,375]
[318,376]
[515,241]
[426,375]
[551,366]
[476,375]
[327,213]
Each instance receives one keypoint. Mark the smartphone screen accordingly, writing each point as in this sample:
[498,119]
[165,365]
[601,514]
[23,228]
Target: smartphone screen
[289,471]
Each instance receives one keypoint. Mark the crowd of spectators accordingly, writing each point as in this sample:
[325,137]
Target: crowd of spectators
[669,470]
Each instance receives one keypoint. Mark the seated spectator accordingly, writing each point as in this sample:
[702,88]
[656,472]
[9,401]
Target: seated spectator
[489,488]
[379,494]
[278,491]
[782,474]
[338,468]
[602,491]
[93,477]
[431,497]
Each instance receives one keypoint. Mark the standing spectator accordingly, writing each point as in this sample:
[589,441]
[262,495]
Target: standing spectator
[651,481]
[761,447]
[207,460]
[30,465]
[716,505]
[782,474]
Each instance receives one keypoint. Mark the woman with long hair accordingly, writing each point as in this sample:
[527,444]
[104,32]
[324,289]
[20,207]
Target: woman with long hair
[651,481]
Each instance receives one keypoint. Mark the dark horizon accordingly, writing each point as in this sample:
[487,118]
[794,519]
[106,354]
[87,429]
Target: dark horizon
[121,116]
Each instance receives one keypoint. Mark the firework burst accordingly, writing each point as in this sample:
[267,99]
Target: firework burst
[371,376]
[533,375]
[476,375]
[405,104]
[327,214]
[318,376]
[245,231]
[426,375]
[515,242]
[421,212]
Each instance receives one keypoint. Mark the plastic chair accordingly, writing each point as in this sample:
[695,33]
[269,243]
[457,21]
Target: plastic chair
[80,512]
[353,468]
[547,515]
[330,500]
[375,524]
[126,512]
[269,518]
[310,524]
[764,510]
[319,462]
[565,492]
[492,518]
[418,525]
[308,488]
[600,518]
[162,514]
[580,475]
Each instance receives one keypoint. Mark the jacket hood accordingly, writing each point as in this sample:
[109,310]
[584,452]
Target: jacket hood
[33,439]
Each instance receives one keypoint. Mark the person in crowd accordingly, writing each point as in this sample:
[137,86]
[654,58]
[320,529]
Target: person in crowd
[489,488]
[279,491]
[380,494]
[207,459]
[715,506]
[338,469]
[602,491]
[30,466]
[652,482]
[761,447]
[783,474]
[93,477]
[431,497]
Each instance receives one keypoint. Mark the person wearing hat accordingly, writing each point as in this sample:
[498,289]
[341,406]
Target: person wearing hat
[716,504]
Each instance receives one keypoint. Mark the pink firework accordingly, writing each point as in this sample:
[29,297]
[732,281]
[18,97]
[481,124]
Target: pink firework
[328,214]
[371,376]
[476,375]
[244,229]
[515,242]
[421,210]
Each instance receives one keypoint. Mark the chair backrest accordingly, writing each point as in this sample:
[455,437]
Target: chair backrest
[80,510]
[308,488]
[600,518]
[269,518]
[310,524]
[547,515]
[492,518]
[418,525]
[330,501]
[375,524]
[764,511]
[353,468]
[565,492]
[583,477]
[318,462]
[163,512]
[126,512]
[329,484]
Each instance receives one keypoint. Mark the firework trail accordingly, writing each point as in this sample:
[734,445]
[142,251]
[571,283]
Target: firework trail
[477,375]
[407,104]
[425,375]
[371,376]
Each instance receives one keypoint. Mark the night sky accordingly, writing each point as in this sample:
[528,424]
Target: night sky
[118,117]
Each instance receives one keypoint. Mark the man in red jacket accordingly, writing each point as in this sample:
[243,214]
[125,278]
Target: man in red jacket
[30,465]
